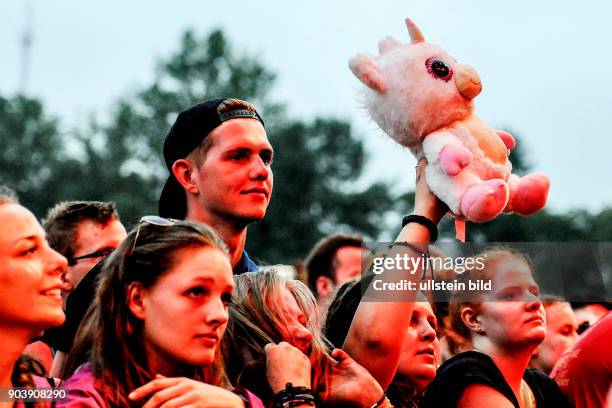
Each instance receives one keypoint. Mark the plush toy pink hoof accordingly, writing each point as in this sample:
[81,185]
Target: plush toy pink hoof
[531,194]
[485,201]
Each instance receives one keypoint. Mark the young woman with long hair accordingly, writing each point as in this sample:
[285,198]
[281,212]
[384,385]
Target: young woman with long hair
[499,329]
[30,299]
[270,310]
[153,333]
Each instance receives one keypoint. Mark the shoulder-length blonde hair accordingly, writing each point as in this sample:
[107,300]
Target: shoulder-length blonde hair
[257,317]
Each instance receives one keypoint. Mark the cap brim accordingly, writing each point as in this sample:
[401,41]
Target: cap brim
[172,202]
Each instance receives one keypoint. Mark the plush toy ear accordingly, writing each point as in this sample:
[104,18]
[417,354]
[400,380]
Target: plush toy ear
[387,44]
[366,69]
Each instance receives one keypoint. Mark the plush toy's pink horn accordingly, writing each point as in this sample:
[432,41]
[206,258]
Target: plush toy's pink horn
[415,34]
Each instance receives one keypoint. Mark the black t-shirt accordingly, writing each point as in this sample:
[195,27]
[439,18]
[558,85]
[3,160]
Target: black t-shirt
[472,367]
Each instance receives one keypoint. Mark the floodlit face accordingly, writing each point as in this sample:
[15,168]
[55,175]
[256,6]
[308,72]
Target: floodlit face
[418,362]
[561,332]
[30,273]
[92,237]
[185,311]
[512,315]
[235,180]
[348,264]
[589,314]
[297,334]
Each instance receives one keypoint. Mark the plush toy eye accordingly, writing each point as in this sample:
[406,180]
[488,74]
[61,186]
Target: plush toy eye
[438,69]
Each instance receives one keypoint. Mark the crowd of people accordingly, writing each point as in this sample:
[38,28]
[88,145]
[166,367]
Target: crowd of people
[175,313]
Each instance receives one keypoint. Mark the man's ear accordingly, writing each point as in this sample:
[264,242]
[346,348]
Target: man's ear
[183,171]
[471,320]
[325,287]
[136,299]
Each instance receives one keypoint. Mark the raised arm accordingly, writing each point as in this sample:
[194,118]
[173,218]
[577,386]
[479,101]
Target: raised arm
[377,333]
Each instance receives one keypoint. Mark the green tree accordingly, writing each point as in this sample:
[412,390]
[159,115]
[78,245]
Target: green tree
[316,166]
[31,152]
[315,169]
[123,159]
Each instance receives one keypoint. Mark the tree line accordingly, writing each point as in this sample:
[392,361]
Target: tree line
[317,164]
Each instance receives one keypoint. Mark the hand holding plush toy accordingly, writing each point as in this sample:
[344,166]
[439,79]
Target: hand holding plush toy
[421,97]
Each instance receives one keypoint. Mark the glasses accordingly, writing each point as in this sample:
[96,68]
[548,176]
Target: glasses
[102,253]
[152,220]
[583,327]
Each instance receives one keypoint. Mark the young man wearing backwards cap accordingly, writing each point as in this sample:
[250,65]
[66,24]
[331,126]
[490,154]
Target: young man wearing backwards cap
[219,159]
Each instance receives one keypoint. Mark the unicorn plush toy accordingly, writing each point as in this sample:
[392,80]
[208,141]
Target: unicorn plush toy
[421,97]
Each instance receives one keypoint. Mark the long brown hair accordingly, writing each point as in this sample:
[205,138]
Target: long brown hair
[257,318]
[110,335]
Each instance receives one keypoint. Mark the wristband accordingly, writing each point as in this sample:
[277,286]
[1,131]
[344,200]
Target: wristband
[292,396]
[424,221]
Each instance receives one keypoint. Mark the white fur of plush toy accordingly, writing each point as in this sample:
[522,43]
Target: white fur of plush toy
[421,97]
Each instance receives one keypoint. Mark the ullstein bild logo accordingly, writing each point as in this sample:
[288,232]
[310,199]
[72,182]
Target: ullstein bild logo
[429,285]
[575,271]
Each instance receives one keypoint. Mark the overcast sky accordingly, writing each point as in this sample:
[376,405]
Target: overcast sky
[546,67]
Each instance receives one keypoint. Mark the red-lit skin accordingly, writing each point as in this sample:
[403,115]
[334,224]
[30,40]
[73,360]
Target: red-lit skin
[512,315]
[510,324]
[348,384]
[30,284]
[185,312]
[233,186]
[347,263]
[91,237]
[296,332]
[30,276]
[235,179]
[561,332]
[590,313]
[369,340]
[418,361]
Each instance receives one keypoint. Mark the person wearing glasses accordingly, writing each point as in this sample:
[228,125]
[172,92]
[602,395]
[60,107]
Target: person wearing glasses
[153,333]
[85,232]
[219,159]
[30,300]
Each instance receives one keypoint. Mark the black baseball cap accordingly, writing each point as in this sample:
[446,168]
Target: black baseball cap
[191,127]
